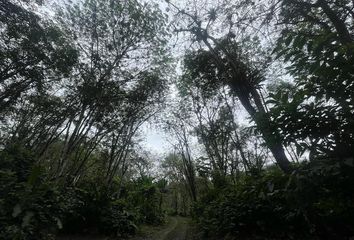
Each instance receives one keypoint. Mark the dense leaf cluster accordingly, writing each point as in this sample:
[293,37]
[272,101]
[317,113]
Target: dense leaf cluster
[313,203]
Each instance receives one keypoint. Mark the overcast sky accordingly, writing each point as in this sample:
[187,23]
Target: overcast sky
[154,140]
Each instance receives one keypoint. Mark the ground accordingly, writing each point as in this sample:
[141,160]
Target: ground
[176,228]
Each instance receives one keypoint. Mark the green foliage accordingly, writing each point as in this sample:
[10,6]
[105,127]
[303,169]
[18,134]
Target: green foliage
[145,197]
[91,208]
[316,113]
[30,206]
[74,92]
[314,202]
[31,49]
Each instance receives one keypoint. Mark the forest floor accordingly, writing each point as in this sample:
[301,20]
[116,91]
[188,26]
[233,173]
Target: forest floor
[175,228]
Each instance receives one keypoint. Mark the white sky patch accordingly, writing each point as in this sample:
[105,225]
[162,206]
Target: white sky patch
[154,140]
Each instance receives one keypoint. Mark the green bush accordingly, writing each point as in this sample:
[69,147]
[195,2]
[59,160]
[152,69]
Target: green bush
[114,219]
[317,201]
[144,196]
[30,206]
[92,208]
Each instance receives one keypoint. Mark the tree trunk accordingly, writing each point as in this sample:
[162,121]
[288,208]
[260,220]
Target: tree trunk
[270,135]
[246,91]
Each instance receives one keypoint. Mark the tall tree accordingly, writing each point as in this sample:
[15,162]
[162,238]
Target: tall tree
[34,54]
[100,73]
[223,60]
[178,127]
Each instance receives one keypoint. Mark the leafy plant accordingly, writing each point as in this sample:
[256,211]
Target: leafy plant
[307,204]
[30,206]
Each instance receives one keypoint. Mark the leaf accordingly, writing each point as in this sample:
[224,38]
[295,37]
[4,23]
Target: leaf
[299,149]
[271,101]
[270,186]
[299,41]
[27,218]
[17,210]
[288,40]
[288,56]
[59,223]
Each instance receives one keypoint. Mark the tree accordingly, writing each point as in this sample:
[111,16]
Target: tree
[316,114]
[34,54]
[224,62]
[119,78]
[179,129]
[113,81]
[178,185]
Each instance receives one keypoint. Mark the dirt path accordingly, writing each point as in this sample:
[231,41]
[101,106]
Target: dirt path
[180,230]
[175,229]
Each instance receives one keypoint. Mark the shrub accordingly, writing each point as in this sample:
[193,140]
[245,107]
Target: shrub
[314,202]
[30,206]
[144,197]
[92,208]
